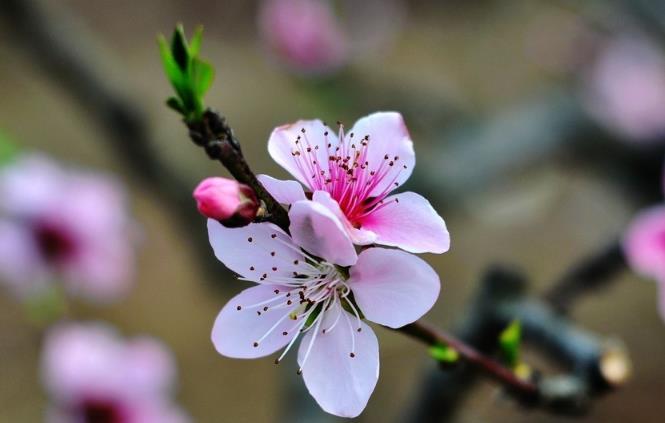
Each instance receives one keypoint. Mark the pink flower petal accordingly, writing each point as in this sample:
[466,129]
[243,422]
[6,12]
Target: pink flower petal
[392,287]
[258,251]
[320,232]
[22,267]
[286,192]
[388,139]
[236,332]
[282,147]
[150,365]
[340,384]
[644,243]
[359,236]
[410,224]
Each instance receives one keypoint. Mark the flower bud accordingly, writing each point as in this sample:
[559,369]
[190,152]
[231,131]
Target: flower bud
[231,203]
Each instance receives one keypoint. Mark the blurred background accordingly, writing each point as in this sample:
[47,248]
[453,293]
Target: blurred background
[539,129]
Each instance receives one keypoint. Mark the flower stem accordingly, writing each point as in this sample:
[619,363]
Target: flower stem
[430,335]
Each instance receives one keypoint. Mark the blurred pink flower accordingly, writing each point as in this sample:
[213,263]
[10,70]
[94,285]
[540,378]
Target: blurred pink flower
[353,174]
[93,375]
[304,35]
[625,88]
[644,246]
[65,225]
[299,293]
[226,200]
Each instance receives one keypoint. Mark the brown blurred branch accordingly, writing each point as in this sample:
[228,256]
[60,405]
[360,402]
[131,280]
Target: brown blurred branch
[592,273]
[431,335]
[595,365]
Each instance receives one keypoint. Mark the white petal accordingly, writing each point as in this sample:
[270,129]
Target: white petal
[358,236]
[320,232]
[392,287]
[285,192]
[340,384]
[256,250]
[235,332]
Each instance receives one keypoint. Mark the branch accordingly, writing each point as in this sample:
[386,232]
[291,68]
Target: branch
[595,365]
[218,140]
[593,272]
[433,336]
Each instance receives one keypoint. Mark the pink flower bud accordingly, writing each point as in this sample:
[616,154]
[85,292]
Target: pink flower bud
[231,203]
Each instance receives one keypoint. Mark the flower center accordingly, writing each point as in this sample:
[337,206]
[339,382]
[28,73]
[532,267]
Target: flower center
[54,242]
[319,289]
[95,410]
[347,174]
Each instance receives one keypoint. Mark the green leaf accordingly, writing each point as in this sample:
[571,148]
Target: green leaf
[190,76]
[179,48]
[175,104]
[202,76]
[173,72]
[7,150]
[46,307]
[195,42]
[443,353]
[509,342]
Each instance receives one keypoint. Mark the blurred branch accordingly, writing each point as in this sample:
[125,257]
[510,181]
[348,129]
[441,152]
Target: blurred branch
[55,47]
[590,274]
[548,126]
[595,365]
[430,335]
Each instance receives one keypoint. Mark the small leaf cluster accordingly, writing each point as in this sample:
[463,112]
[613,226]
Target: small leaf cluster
[190,76]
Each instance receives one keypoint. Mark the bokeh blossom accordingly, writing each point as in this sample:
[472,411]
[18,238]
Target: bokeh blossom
[323,294]
[644,247]
[226,200]
[63,225]
[625,88]
[91,375]
[353,174]
[304,35]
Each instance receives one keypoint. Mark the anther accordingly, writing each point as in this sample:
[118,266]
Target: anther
[256,344]
[276,291]
[265,308]
[249,239]
[273,236]
[352,355]
[277,361]
[239,308]
[272,253]
[302,130]
[274,269]
[251,268]
[299,372]
[360,329]
[285,333]
[258,313]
